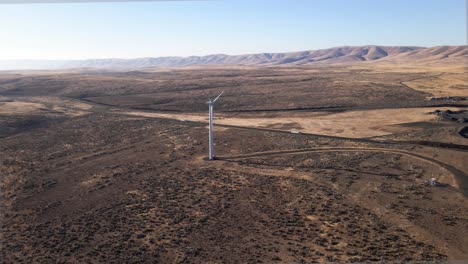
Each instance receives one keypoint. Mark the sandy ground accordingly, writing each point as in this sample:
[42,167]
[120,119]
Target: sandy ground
[440,80]
[42,104]
[354,124]
[444,85]
[19,108]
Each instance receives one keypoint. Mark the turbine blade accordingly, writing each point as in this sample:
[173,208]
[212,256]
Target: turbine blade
[218,96]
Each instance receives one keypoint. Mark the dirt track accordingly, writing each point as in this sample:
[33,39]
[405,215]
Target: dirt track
[460,177]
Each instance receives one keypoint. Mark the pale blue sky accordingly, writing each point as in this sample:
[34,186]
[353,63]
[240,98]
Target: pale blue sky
[183,28]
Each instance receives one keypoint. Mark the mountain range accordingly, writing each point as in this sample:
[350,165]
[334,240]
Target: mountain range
[441,55]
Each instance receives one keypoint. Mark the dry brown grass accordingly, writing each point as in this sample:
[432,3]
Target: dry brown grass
[20,108]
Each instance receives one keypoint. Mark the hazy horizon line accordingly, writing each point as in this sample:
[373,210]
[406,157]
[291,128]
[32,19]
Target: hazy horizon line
[226,54]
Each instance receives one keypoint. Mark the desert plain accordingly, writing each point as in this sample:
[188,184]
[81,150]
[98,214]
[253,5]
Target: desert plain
[314,163]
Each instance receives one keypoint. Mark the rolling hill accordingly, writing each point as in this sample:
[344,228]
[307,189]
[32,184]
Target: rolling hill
[340,55]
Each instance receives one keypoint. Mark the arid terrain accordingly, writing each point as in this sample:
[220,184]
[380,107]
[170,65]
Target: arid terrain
[314,163]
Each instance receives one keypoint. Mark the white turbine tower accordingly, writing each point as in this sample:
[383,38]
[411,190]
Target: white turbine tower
[210,105]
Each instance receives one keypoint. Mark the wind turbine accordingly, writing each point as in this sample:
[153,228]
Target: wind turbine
[210,106]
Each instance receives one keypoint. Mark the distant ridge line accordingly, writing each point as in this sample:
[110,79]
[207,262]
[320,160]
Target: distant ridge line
[445,55]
